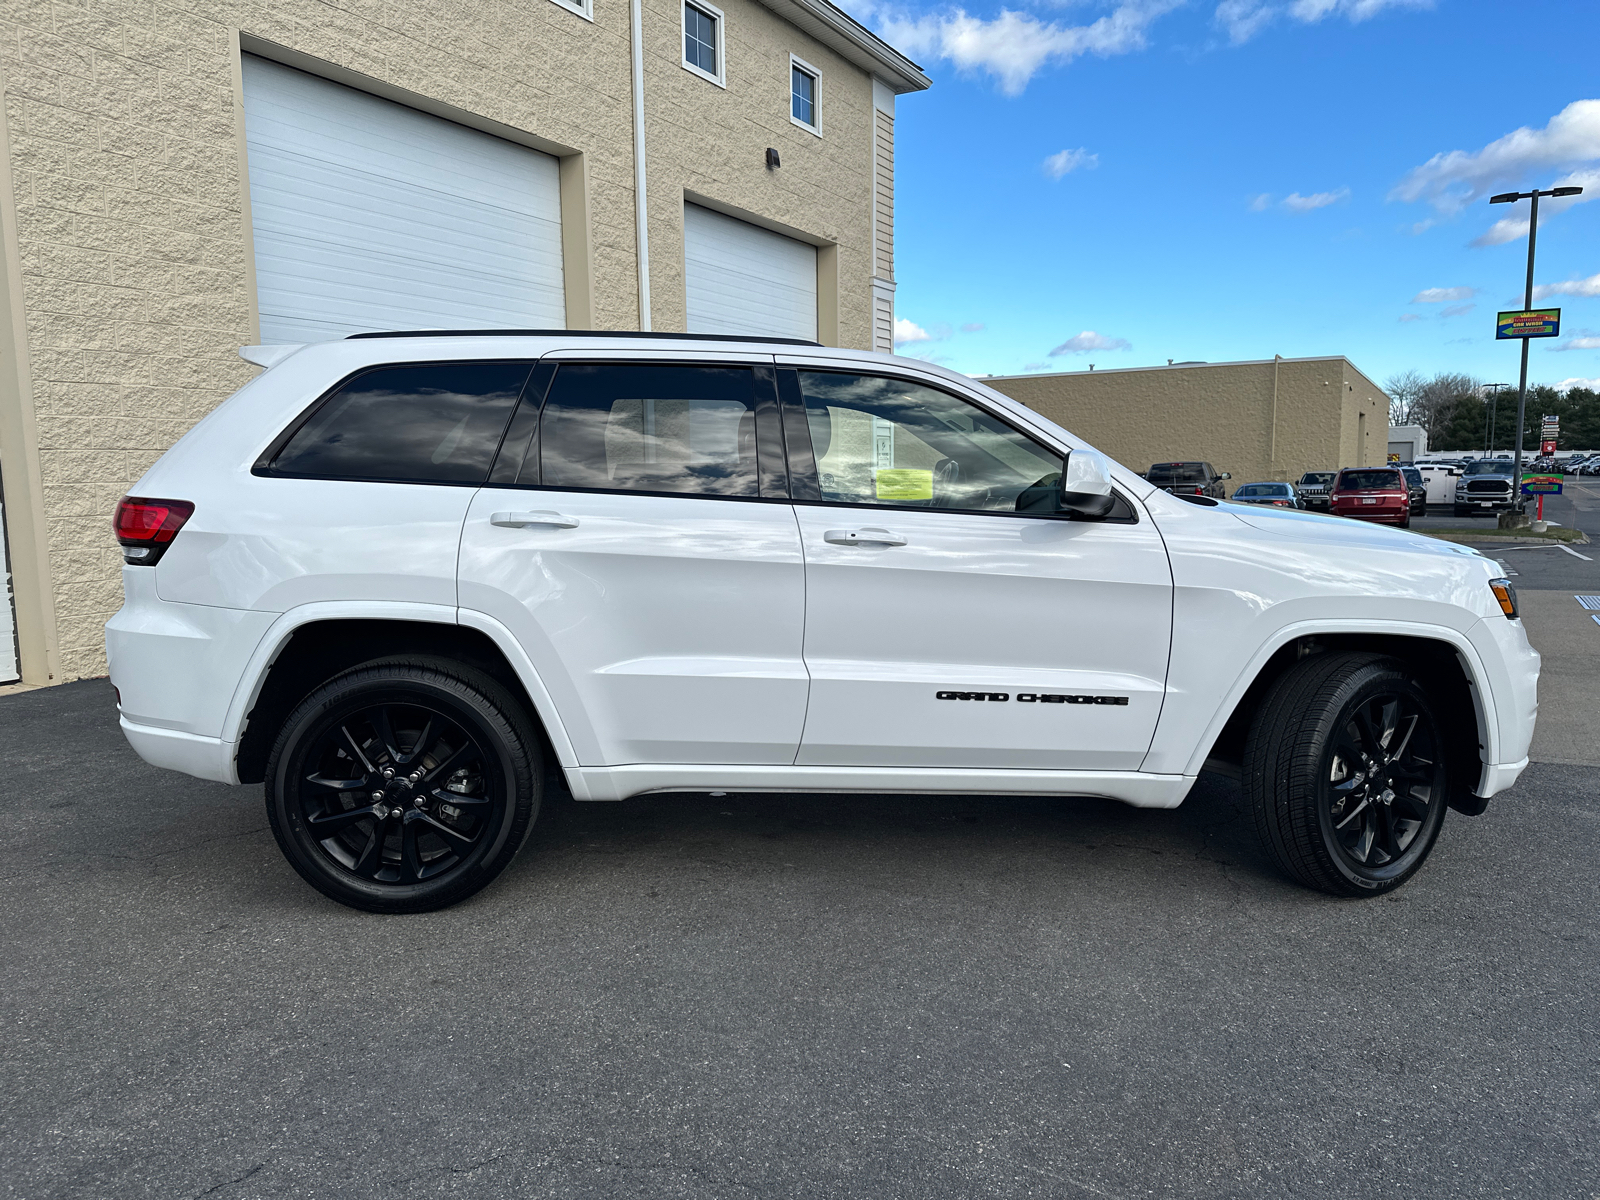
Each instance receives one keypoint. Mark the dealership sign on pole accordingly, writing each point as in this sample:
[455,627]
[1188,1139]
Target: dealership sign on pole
[1549,431]
[1529,323]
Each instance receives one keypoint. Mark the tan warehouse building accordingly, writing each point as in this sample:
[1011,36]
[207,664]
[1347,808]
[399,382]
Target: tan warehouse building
[1273,419]
[177,184]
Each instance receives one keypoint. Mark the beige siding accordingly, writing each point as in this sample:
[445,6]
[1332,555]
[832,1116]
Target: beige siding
[133,235]
[883,195]
[1222,413]
[883,322]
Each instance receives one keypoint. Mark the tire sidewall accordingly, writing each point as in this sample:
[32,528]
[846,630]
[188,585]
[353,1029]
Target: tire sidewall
[345,696]
[1365,685]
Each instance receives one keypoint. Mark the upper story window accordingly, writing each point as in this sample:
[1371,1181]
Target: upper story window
[417,423]
[584,8]
[803,89]
[702,41]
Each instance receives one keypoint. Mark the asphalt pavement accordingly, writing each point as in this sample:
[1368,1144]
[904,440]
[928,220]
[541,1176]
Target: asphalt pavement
[737,996]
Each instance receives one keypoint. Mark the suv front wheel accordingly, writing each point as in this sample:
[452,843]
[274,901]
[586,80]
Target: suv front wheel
[1344,768]
[404,785]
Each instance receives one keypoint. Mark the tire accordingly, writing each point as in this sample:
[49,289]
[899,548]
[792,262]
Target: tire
[1323,741]
[1405,521]
[420,837]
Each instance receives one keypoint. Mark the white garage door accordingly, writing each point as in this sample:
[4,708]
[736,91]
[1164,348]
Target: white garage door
[369,215]
[744,279]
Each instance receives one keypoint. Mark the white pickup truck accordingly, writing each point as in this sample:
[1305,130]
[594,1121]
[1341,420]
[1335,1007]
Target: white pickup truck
[397,577]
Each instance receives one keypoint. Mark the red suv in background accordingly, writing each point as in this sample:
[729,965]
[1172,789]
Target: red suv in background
[1372,494]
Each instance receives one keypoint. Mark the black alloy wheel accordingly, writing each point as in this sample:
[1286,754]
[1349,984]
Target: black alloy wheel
[403,786]
[1345,769]
[1385,782]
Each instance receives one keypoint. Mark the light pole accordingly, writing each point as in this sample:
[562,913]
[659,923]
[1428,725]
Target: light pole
[1492,419]
[1527,303]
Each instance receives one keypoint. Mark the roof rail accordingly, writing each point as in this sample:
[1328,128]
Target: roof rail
[588,333]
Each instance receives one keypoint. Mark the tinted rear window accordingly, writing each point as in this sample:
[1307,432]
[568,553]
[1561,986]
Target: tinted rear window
[1363,481]
[424,423]
[1262,489]
[1166,473]
[641,427]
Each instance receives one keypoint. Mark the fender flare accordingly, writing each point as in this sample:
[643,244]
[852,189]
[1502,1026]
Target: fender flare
[1471,662]
[280,631]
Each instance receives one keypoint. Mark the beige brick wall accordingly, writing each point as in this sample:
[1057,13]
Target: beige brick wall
[1218,413]
[133,247]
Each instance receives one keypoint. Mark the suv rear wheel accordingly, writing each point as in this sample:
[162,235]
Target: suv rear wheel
[1344,768]
[404,785]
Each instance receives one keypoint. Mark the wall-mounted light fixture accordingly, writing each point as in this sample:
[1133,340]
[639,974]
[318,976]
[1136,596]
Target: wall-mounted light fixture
[772,159]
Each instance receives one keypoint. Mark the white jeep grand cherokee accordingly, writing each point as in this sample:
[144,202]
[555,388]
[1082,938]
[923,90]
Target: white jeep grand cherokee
[396,575]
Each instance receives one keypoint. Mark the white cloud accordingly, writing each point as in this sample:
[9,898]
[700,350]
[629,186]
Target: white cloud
[1572,287]
[1297,203]
[1452,180]
[1088,340]
[1014,46]
[1067,161]
[1515,228]
[1243,19]
[1575,382]
[1579,343]
[972,327]
[1044,366]
[907,331]
[1457,310]
[1261,203]
[1443,295]
[1404,317]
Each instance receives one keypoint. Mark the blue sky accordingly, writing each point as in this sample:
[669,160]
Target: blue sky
[1120,183]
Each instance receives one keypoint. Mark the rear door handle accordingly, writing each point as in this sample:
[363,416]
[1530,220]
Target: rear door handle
[863,537]
[517,520]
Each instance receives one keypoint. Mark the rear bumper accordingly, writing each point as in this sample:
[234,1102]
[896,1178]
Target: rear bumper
[1391,516]
[202,757]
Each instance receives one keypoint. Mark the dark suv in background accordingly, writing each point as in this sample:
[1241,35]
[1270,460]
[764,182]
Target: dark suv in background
[1314,488]
[1189,479]
[1417,489]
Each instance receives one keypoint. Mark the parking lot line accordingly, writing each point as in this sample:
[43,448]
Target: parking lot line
[1575,554]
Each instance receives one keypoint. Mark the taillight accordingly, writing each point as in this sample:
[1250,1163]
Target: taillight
[1280,504]
[145,528]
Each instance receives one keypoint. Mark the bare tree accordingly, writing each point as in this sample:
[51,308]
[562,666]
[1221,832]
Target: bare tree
[1430,403]
[1404,391]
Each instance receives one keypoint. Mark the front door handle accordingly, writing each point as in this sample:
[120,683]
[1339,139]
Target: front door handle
[863,537]
[516,520]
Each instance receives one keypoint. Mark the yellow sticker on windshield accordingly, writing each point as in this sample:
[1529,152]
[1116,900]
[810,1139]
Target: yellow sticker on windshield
[904,484]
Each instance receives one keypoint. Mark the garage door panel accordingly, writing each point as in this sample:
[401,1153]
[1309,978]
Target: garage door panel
[370,215]
[742,279]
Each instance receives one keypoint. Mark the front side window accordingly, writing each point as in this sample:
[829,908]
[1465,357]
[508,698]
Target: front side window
[643,427]
[418,423]
[803,94]
[702,42]
[878,440]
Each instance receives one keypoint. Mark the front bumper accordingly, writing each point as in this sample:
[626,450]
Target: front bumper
[202,757]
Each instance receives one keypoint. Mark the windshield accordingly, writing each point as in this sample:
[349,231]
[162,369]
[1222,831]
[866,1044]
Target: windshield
[1367,481]
[1263,489]
[1164,473]
[1314,477]
[1488,467]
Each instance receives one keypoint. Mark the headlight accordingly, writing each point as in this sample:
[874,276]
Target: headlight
[1506,595]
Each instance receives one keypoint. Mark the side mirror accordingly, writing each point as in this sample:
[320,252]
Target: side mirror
[1086,485]
[1225,475]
